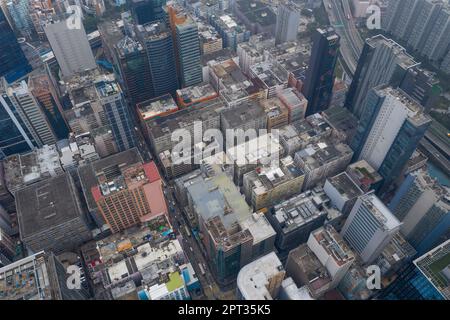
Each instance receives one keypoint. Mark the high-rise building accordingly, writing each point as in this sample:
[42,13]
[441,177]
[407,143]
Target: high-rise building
[145,11]
[288,20]
[318,86]
[7,245]
[13,63]
[19,11]
[134,70]
[70,46]
[44,92]
[40,276]
[50,215]
[382,61]
[423,206]
[116,111]
[370,226]
[422,86]
[187,48]
[16,133]
[426,278]
[389,131]
[158,43]
[129,195]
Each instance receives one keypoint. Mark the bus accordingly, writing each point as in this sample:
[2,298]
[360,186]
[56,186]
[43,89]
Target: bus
[187,231]
[202,270]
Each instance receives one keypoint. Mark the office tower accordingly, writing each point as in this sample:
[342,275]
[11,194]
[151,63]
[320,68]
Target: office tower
[382,61]
[44,92]
[134,70]
[422,86]
[288,20]
[13,63]
[318,86]
[261,279]
[389,131]
[425,279]
[20,95]
[129,195]
[187,48]
[70,46]
[370,226]
[116,112]
[145,11]
[423,206]
[16,133]
[50,215]
[40,276]
[19,11]
[157,40]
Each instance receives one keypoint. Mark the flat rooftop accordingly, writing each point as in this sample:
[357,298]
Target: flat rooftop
[156,107]
[254,279]
[47,204]
[88,173]
[345,186]
[435,266]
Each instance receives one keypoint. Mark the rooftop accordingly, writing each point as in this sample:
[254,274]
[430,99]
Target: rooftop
[194,94]
[380,211]
[157,107]
[254,279]
[300,210]
[88,173]
[435,266]
[345,186]
[319,154]
[242,114]
[47,204]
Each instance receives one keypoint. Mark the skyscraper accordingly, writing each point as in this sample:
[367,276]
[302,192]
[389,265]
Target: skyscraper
[16,133]
[20,15]
[134,70]
[70,46]
[382,61]
[116,111]
[369,227]
[318,86]
[145,11]
[187,48]
[423,206]
[288,20]
[388,132]
[13,64]
[157,41]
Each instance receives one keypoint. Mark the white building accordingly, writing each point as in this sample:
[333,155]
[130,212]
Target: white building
[261,279]
[332,251]
[70,46]
[369,227]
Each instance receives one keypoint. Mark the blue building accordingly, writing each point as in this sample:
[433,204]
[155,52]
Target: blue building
[423,206]
[15,134]
[427,278]
[117,113]
[13,63]
[318,87]
[157,42]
